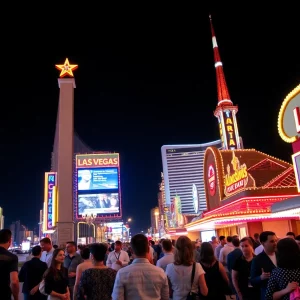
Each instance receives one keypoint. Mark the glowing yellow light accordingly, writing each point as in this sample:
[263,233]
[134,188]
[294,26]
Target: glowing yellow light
[284,105]
[66,69]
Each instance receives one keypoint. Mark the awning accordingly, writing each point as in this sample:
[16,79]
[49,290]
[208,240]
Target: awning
[288,204]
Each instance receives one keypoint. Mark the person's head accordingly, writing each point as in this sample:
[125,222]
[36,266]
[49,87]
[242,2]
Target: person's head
[184,254]
[213,239]
[236,242]
[86,175]
[256,236]
[288,254]
[167,246]
[269,241]
[46,244]
[207,255]
[198,243]
[98,252]
[118,246]
[113,201]
[55,246]
[5,238]
[71,247]
[291,235]
[229,239]
[85,253]
[246,246]
[58,257]
[222,240]
[140,246]
[297,239]
[36,251]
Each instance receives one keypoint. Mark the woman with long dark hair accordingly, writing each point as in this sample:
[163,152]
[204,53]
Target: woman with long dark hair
[56,277]
[215,275]
[286,277]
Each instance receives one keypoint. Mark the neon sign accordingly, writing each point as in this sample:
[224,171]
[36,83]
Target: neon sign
[97,160]
[238,179]
[66,69]
[50,200]
[211,180]
[289,117]
[230,129]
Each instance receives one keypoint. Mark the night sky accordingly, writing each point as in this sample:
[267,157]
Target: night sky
[144,80]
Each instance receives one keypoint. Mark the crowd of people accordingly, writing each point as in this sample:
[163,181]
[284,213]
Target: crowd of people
[252,268]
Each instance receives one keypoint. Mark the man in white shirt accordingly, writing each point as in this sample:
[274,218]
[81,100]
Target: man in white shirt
[168,257]
[118,258]
[141,280]
[48,249]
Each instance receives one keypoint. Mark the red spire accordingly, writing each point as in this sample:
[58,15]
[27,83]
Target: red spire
[223,94]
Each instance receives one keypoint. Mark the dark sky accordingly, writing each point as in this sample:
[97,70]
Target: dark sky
[145,79]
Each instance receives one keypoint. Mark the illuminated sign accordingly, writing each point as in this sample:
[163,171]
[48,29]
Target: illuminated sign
[236,180]
[289,117]
[97,160]
[50,205]
[230,130]
[296,163]
[221,132]
[211,180]
[66,69]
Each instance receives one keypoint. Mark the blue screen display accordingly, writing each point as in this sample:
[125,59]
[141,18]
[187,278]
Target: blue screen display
[98,179]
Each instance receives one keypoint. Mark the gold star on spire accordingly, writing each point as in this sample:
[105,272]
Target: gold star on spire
[66,69]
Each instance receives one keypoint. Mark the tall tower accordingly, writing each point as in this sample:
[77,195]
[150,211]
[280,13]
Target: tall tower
[65,222]
[225,110]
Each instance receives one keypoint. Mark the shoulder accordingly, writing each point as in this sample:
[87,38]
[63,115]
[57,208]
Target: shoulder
[170,266]
[26,264]
[111,271]
[199,268]
[259,257]
[9,255]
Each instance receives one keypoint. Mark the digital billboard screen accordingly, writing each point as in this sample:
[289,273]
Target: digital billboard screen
[100,203]
[97,179]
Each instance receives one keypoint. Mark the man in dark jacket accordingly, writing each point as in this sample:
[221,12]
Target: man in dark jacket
[263,264]
[31,274]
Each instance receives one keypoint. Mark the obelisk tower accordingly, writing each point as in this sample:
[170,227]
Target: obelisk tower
[225,111]
[65,222]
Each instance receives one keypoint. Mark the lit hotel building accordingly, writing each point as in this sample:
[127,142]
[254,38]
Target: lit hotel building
[241,185]
[183,175]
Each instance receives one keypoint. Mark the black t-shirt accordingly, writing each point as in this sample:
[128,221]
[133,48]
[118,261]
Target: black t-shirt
[243,267]
[8,264]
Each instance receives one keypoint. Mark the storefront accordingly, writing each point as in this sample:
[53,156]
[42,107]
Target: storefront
[241,186]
